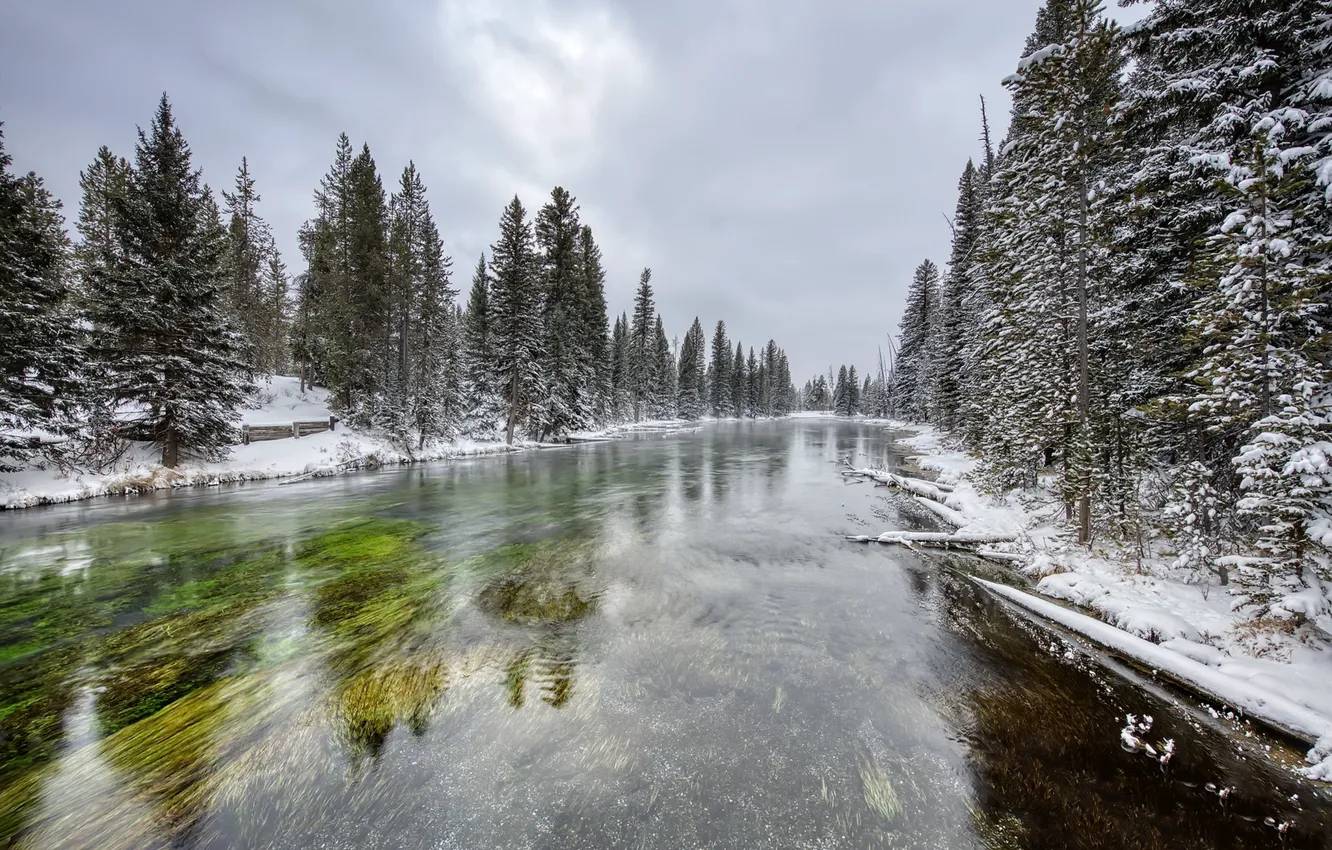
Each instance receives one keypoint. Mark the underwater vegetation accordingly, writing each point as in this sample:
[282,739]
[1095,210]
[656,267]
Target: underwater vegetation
[170,639]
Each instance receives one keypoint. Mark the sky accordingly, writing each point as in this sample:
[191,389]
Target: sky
[780,164]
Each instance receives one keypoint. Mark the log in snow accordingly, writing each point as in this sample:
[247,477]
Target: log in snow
[942,511]
[915,486]
[1007,557]
[934,538]
[1290,717]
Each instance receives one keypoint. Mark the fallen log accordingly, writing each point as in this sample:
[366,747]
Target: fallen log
[915,486]
[1006,557]
[934,538]
[942,511]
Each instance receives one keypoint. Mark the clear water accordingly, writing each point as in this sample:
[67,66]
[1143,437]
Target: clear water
[662,642]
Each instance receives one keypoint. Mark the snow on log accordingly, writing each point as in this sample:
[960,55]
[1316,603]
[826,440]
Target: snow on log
[1009,557]
[934,538]
[915,486]
[1276,711]
[942,511]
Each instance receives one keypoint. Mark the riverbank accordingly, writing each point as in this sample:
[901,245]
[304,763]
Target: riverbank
[1171,614]
[279,402]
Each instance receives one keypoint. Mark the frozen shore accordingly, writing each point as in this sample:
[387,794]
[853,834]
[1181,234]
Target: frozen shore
[280,402]
[1142,606]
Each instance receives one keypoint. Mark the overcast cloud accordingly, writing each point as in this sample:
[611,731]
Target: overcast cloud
[781,164]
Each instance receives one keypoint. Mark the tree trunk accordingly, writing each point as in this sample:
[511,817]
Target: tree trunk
[1084,383]
[513,404]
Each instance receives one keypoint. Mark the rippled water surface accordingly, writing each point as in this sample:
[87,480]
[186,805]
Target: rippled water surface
[662,642]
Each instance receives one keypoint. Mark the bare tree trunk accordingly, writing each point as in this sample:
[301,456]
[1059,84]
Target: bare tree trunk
[513,404]
[1084,383]
[1262,277]
[171,450]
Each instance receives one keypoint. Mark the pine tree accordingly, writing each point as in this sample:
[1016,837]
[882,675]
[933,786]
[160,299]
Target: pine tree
[39,359]
[663,391]
[162,336]
[721,373]
[842,394]
[569,370]
[407,212]
[622,374]
[368,347]
[275,325]
[433,372]
[953,323]
[752,390]
[101,183]
[1263,372]
[912,380]
[481,394]
[643,359]
[739,383]
[323,324]
[249,244]
[691,376]
[594,331]
[517,326]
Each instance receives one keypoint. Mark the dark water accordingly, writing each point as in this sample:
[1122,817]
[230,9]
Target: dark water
[653,643]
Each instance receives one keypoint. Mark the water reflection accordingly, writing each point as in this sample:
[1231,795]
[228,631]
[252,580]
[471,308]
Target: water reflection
[660,642]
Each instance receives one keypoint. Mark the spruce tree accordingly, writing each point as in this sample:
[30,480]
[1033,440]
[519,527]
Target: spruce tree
[101,183]
[622,375]
[432,374]
[162,336]
[912,379]
[481,396]
[39,359]
[323,325]
[275,316]
[721,372]
[569,370]
[663,391]
[954,324]
[517,327]
[367,349]
[841,394]
[691,377]
[1260,317]
[249,244]
[739,383]
[594,330]
[753,379]
[643,359]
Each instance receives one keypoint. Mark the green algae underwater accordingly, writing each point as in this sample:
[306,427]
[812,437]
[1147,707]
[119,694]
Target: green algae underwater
[189,677]
[656,643]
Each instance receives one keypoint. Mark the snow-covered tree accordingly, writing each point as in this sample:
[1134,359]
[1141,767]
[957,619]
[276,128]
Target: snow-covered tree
[912,385]
[720,372]
[39,358]
[690,402]
[517,327]
[643,361]
[161,336]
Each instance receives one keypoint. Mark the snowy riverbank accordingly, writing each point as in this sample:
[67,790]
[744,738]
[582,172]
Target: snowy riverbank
[279,402]
[1179,621]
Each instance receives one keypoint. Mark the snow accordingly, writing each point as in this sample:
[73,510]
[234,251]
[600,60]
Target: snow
[278,401]
[282,402]
[1253,695]
[1141,604]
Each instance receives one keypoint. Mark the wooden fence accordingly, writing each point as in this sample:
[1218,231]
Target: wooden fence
[296,430]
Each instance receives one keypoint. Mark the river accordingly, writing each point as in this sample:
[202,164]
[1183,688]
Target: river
[661,642]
